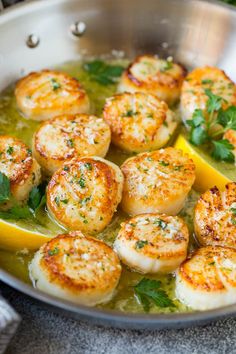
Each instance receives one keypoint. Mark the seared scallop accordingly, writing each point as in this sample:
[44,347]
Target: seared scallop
[193,94]
[62,138]
[46,94]
[17,163]
[139,121]
[230,135]
[215,217]
[152,243]
[84,194]
[157,181]
[151,74]
[77,268]
[208,279]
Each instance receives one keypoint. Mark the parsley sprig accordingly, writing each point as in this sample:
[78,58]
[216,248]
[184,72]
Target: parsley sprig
[16,212]
[103,73]
[149,291]
[208,128]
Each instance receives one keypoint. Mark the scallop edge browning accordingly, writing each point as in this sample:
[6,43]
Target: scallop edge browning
[160,77]
[139,121]
[77,268]
[215,217]
[157,182]
[152,243]
[46,94]
[84,194]
[70,136]
[207,280]
[19,166]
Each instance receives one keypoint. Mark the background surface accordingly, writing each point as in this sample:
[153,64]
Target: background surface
[43,332]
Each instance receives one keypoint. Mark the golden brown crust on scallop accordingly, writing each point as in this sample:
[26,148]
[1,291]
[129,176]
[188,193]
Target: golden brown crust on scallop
[205,270]
[17,164]
[151,74]
[84,194]
[157,181]
[65,137]
[139,121]
[80,263]
[160,240]
[215,217]
[45,94]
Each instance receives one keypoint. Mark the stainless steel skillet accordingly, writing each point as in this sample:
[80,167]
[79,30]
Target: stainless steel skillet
[44,33]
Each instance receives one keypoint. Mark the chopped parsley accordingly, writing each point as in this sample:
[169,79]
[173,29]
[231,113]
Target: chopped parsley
[81,182]
[70,143]
[64,201]
[55,84]
[163,163]
[161,223]
[207,81]
[88,165]
[167,66]
[53,252]
[57,200]
[10,150]
[140,244]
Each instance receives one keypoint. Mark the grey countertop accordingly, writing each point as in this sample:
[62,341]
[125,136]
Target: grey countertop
[44,332]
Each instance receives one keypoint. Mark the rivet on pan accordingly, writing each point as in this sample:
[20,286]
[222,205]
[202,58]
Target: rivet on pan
[32,41]
[78,28]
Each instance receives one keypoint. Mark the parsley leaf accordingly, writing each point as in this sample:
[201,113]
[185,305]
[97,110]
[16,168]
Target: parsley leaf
[103,73]
[149,291]
[207,130]
[55,84]
[198,132]
[227,118]
[140,244]
[37,197]
[16,212]
[198,135]
[4,188]
[214,102]
[223,150]
[168,64]
[53,252]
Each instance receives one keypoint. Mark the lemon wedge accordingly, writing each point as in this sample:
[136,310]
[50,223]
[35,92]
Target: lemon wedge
[207,173]
[14,237]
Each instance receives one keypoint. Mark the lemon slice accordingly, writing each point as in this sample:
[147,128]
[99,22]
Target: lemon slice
[208,174]
[14,237]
